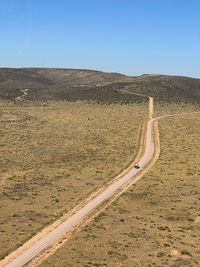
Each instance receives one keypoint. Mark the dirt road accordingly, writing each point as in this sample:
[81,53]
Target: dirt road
[47,240]
[82,213]
[71,222]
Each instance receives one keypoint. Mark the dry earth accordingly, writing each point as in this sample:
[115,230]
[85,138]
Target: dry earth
[53,157]
[156,222]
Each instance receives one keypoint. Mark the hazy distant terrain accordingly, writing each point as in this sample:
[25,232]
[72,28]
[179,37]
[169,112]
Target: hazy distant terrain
[60,84]
[71,84]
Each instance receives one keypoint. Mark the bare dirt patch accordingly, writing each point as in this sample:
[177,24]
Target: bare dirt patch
[175,253]
[4,177]
[197,220]
[8,117]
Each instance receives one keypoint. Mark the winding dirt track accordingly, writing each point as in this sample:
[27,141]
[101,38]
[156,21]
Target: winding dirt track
[72,221]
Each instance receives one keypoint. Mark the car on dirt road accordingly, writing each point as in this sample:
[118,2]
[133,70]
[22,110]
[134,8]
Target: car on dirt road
[136,166]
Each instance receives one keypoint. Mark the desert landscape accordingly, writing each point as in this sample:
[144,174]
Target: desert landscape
[66,135]
[99,133]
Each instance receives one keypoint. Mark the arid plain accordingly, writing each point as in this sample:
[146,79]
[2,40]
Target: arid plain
[71,134]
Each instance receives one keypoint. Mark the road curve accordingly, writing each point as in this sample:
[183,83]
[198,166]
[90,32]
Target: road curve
[72,221]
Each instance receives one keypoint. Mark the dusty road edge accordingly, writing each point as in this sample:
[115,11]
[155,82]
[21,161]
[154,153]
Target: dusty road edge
[14,254]
[59,243]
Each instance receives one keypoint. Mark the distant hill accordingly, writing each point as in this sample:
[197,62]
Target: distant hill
[55,84]
[166,87]
[40,77]
[74,84]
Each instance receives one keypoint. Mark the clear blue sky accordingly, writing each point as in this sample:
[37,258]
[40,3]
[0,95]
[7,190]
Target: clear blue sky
[128,36]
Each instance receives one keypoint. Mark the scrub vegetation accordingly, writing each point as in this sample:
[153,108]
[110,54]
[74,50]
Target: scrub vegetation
[55,155]
[162,108]
[66,133]
[157,221]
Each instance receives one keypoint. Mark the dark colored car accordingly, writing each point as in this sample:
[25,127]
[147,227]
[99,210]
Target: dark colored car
[137,166]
